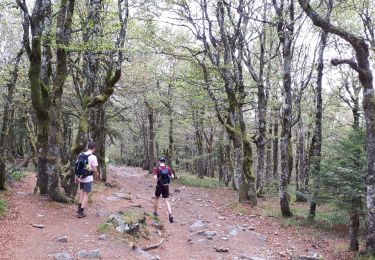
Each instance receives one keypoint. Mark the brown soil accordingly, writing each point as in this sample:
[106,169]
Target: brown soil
[257,235]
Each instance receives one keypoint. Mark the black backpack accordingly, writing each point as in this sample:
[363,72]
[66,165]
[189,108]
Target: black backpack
[82,166]
[164,178]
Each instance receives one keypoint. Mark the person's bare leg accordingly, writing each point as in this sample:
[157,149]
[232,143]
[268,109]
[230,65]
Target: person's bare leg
[168,204]
[80,197]
[169,210]
[156,202]
[79,194]
[85,198]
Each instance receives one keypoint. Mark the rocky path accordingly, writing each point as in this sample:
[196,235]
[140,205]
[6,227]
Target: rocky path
[206,226]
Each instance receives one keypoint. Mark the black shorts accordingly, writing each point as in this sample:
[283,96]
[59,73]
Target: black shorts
[163,191]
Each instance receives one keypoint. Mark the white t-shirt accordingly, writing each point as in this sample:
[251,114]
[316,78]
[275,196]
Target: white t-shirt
[93,162]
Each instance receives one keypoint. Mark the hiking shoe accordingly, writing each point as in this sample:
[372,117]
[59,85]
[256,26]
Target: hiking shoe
[81,215]
[155,214]
[78,210]
[170,219]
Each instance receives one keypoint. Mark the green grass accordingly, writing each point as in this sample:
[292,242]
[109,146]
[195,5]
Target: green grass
[103,227]
[327,216]
[18,175]
[192,180]
[3,207]
[132,216]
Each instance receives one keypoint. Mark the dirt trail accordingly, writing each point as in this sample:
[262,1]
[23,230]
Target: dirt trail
[245,236]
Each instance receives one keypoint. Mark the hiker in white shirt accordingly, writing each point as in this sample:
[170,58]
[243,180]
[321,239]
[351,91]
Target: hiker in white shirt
[86,183]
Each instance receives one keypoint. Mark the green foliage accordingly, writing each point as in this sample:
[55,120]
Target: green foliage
[3,206]
[103,227]
[17,175]
[343,169]
[194,181]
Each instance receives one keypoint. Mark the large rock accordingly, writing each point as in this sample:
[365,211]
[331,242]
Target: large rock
[197,225]
[63,256]
[145,255]
[93,254]
[122,196]
[232,231]
[119,196]
[127,221]
[209,233]
[310,257]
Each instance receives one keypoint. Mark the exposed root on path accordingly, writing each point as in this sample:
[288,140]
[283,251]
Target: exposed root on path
[154,246]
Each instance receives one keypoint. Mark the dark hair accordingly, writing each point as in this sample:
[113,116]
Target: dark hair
[162,159]
[91,145]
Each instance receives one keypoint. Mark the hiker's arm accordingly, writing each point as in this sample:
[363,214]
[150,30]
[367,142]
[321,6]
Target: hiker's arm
[171,173]
[95,171]
[155,173]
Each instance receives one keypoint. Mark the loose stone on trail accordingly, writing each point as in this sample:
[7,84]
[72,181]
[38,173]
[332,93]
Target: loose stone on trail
[103,237]
[196,225]
[94,254]
[221,249]
[62,239]
[38,225]
[63,256]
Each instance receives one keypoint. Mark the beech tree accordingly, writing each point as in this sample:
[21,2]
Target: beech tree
[361,65]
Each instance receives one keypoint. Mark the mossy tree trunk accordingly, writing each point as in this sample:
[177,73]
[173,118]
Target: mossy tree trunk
[91,75]
[285,30]
[63,35]
[40,70]
[257,73]
[97,133]
[10,86]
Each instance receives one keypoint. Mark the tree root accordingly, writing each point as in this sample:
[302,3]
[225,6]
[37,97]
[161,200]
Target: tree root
[154,246]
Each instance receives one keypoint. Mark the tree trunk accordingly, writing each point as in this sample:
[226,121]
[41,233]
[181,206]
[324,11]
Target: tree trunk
[275,148]
[269,154]
[10,86]
[199,160]
[356,114]
[210,149]
[151,139]
[285,33]
[290,156]
[170,139]
[229,161]
[70,187]
[98,134]
[317,146]
[300,164]
[53,166]
[354,224]
[223,170]
[362,66]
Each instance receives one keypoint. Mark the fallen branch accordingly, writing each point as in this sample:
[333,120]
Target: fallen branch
[150,247]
